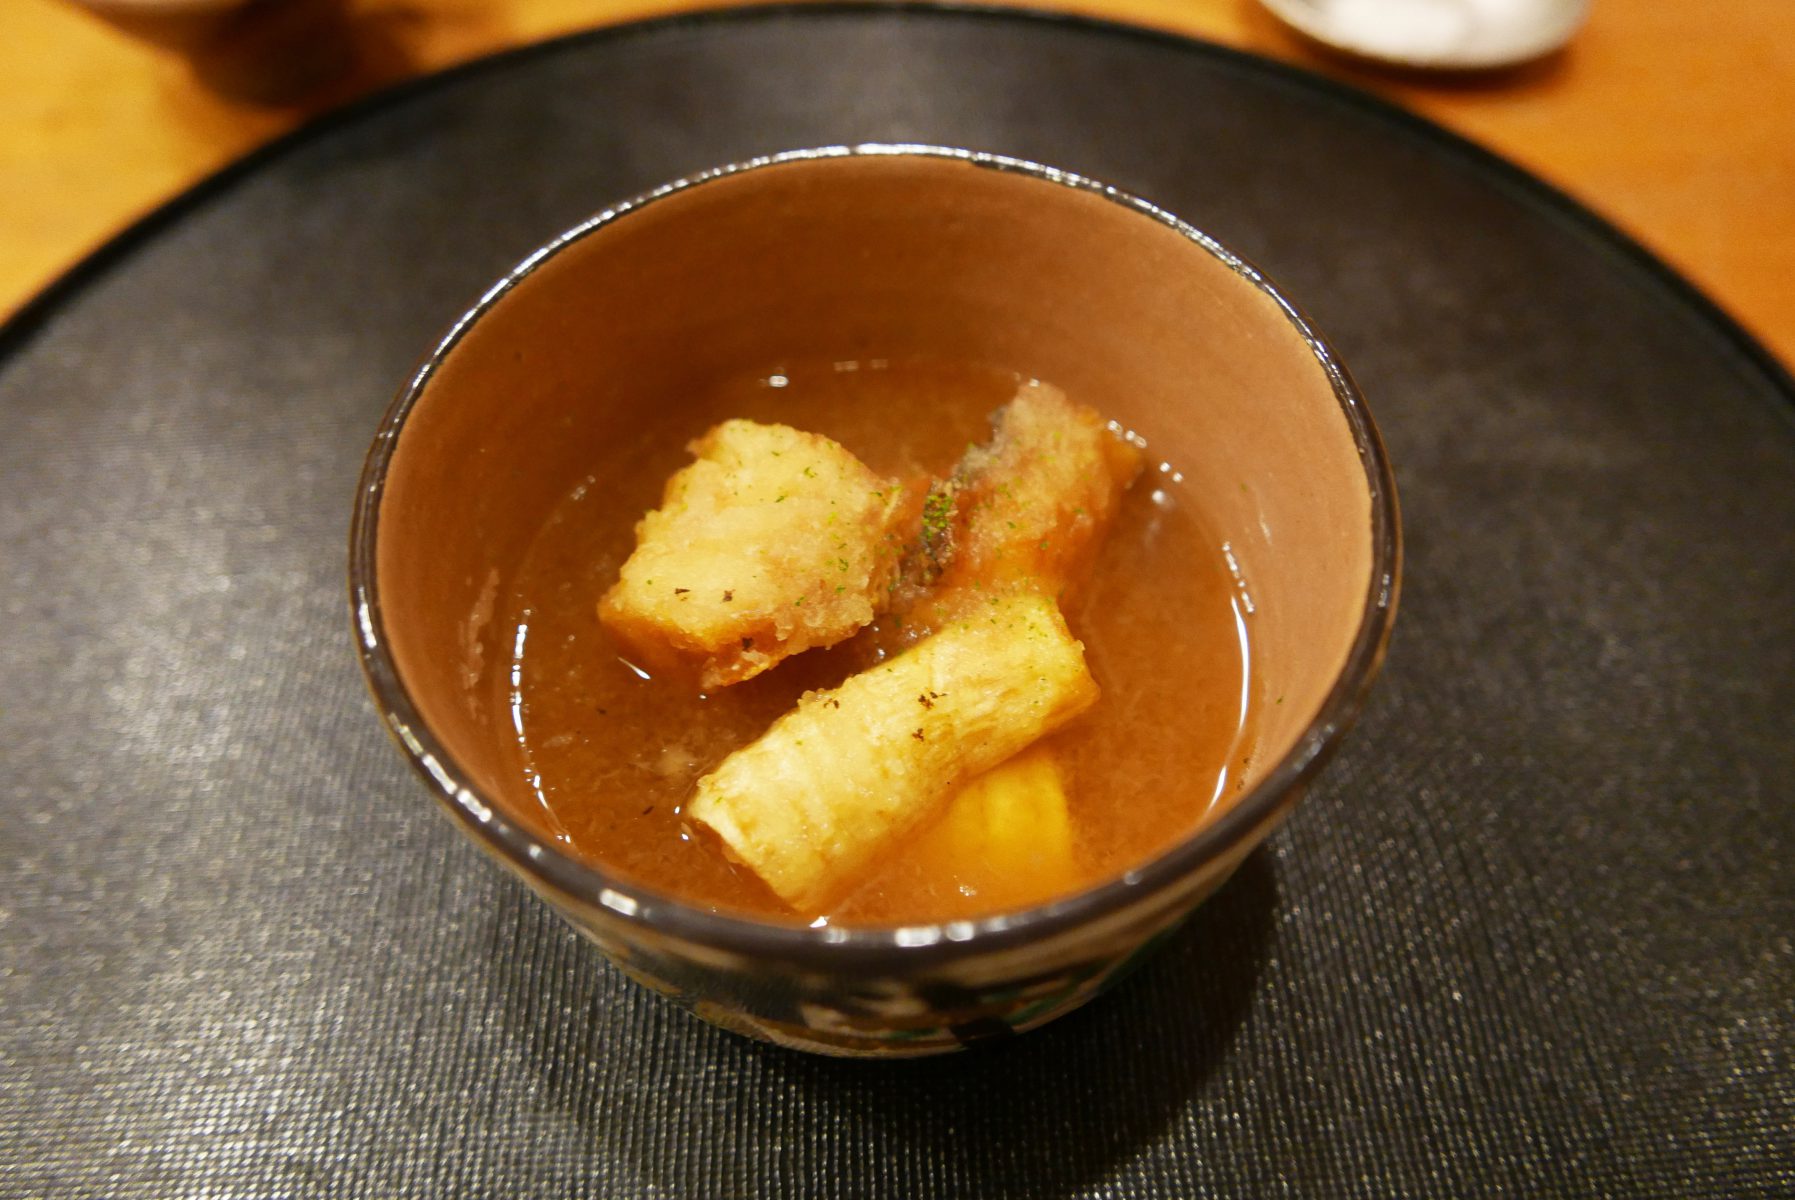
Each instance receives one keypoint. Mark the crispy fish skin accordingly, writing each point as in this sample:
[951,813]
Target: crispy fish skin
[772,541]
[852,769]
[1027,509]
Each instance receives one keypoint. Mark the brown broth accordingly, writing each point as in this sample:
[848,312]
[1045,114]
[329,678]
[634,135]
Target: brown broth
[612,753]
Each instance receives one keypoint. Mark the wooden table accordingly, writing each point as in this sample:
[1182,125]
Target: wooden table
[1676,121]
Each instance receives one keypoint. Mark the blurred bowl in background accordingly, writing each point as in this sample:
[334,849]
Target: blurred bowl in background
[261,50]
[1438,35]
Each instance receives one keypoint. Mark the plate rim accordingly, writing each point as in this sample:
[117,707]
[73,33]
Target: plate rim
[64,287]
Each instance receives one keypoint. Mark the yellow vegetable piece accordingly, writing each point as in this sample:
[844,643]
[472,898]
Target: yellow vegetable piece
[1006,838]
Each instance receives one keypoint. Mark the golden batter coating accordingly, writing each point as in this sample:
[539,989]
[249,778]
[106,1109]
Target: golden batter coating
[772,541]
[1029,508]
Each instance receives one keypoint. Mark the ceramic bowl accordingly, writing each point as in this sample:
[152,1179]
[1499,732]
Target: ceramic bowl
[893,250]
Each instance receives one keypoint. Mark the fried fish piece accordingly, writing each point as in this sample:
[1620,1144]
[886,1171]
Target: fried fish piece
[852,769]
[772,541]
[1029,508]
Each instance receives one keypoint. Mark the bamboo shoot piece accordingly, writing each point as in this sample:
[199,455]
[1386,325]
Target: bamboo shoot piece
[852,770]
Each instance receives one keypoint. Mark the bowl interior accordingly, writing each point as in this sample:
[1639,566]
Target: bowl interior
[860,256]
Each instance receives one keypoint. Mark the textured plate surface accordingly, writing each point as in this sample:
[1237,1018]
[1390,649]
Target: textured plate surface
[1532,935]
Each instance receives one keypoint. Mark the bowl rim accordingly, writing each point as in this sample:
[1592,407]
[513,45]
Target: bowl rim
[911,948]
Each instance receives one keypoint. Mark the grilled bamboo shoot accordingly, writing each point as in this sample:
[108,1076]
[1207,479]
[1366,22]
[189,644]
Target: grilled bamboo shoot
[851,770]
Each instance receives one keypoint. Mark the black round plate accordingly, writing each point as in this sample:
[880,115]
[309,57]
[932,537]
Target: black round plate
[1531,936]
